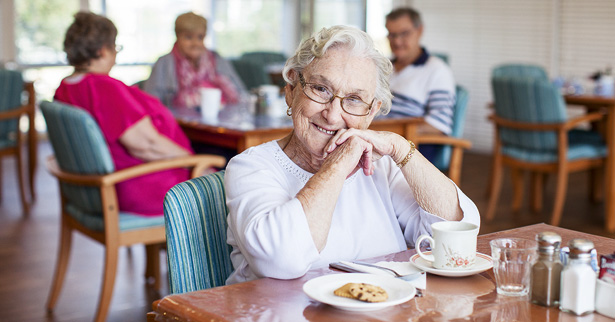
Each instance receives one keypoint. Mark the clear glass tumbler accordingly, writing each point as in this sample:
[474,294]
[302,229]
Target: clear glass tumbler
[512,264]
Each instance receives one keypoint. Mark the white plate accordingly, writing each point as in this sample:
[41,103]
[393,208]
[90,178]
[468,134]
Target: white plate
[321,289]
[483,263]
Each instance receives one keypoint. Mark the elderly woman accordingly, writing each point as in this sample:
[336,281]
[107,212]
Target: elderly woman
[332,189]
[136,126]
[177,77]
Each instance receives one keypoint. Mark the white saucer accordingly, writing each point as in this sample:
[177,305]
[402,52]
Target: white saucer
[483,263]
[321,289]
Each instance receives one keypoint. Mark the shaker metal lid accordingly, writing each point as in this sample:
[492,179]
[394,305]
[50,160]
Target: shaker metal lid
[548,240]
[580,246]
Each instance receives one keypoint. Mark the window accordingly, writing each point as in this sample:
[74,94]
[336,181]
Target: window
[249,25]
[40,26]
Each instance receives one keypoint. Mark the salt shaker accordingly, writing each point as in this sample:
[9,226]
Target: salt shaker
[546,272]
[578,282]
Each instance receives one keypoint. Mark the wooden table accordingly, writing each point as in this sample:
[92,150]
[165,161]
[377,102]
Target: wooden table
[240,133]
[469,298]
[592,102]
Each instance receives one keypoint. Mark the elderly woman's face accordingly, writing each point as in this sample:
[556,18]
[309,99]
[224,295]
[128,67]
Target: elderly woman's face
[191,43]
[344,75]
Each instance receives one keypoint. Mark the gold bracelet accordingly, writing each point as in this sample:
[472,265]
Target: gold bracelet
[403,162]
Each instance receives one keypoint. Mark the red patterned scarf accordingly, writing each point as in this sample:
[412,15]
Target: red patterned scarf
[191,79]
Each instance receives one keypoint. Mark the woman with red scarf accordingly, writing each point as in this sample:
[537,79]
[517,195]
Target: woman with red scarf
[177,77]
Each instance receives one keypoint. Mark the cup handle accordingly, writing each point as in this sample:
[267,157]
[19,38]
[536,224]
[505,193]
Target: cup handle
[429,258]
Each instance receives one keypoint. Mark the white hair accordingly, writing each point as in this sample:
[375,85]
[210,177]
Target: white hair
[358,42]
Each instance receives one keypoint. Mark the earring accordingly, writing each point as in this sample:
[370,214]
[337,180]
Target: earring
[289,111]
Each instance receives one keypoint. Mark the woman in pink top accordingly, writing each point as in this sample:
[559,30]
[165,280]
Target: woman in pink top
[136,126]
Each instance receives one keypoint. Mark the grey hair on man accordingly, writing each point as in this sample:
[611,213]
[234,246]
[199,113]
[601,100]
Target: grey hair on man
[414,16]
[358,42]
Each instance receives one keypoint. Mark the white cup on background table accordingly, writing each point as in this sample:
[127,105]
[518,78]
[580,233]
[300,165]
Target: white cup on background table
[210,103]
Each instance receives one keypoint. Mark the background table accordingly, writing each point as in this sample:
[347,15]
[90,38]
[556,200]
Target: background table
[472,298]
[592,103]
[239,130]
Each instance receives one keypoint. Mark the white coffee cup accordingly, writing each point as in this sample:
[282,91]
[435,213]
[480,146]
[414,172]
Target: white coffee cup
[210,103]
[453,245]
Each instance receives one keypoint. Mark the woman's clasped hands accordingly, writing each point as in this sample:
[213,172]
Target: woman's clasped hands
[359,149]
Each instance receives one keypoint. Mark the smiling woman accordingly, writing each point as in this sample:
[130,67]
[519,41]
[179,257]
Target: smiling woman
[333,190]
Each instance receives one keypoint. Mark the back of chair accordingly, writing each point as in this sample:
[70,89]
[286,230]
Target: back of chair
[195,223]
[79,148]
[264,58]
[252,74]
[530,100]
[442,159]
[11,88]
[519,70]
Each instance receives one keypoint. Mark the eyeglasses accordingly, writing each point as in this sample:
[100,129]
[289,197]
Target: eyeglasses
[319,93]
[403,34]
[118,48]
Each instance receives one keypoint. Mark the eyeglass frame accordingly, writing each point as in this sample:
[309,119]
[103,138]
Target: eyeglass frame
[333,96]
[402,34]
[118,48]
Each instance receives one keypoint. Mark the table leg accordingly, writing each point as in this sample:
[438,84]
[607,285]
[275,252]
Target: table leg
[610,172]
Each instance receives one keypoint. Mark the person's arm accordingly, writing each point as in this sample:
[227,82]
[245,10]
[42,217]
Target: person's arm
[143,141]
[432,190]
[319,196]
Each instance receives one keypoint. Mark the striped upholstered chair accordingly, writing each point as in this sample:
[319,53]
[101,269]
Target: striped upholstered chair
[450,157]
[12,87]
[519,70]
[195,218]
[84,168]
[532,132]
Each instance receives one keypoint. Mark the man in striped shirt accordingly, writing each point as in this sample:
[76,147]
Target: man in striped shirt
[422,84]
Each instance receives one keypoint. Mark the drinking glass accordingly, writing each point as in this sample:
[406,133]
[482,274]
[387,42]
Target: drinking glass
[512,264]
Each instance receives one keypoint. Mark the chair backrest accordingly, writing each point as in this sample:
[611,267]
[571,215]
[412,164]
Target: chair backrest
[442,56]
[443,158]
[195,222]
[263,58]
[252,74]
[531,100]
[11,89]
[79,148]
[519,70]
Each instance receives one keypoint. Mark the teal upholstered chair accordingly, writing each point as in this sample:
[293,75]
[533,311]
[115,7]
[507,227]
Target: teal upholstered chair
[442,56]
[263,59]
[195,217]
[450,157]
[251,74]
[87,176]
[11,110]
[519,70]
[532,132]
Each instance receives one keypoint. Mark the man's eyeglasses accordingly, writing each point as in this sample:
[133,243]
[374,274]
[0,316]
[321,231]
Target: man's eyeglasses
[319,93]
[403,34]
[118,48]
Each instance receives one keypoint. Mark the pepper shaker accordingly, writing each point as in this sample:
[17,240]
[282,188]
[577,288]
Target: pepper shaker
[546,272]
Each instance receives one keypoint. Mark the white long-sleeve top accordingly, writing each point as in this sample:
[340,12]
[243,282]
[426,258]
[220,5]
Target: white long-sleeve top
[268,230]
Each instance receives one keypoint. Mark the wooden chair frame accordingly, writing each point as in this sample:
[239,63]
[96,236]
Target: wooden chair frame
[458,146]
[17,113]
[562,167]
[111,237]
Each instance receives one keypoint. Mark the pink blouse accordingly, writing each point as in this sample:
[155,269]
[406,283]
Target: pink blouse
[116,107]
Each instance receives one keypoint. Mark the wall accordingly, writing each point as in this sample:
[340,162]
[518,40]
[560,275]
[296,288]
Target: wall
[568,38]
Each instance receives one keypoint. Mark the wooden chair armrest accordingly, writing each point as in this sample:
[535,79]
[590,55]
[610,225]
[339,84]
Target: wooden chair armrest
[198,162]
[443,140]
[591,117]
[14,113]
[526,126]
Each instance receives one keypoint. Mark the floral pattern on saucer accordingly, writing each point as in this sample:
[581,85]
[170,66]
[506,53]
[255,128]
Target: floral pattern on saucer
[454,260]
